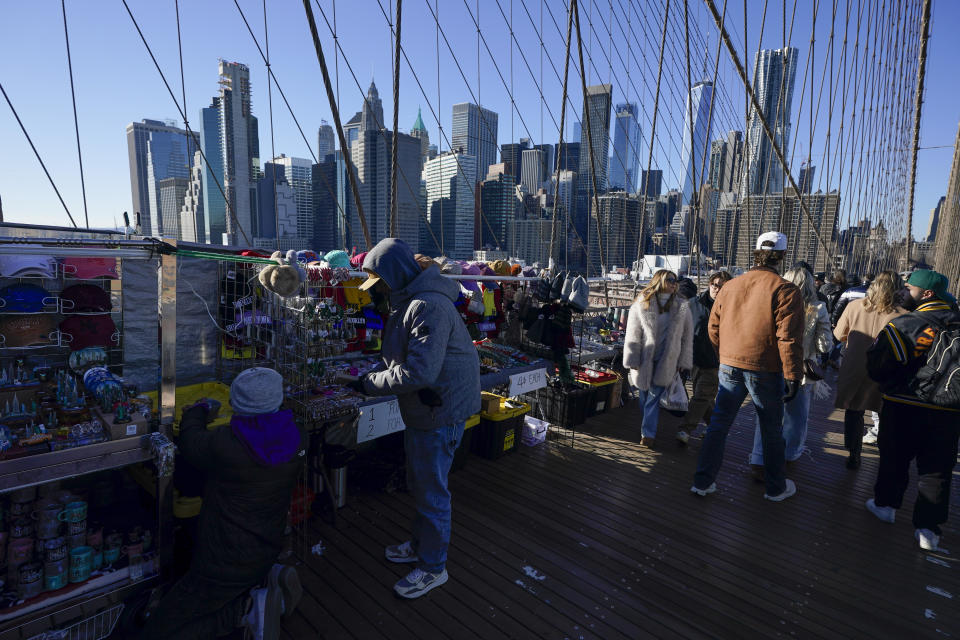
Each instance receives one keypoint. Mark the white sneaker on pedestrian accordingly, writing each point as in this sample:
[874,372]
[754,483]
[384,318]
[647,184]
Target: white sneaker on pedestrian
[887,514]
[869,438]
[683,437]
[791,489]
[285,579]
[702,492]
[928,539]
[401,553]
[418,582]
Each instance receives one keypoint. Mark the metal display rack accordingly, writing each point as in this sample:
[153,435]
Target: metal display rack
[91,609]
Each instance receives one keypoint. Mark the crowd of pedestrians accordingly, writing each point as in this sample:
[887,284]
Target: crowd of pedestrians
[772,337]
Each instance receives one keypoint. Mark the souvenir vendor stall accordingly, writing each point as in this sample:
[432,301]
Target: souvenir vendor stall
[78,537]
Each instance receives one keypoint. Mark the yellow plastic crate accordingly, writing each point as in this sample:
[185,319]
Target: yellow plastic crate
[472,421]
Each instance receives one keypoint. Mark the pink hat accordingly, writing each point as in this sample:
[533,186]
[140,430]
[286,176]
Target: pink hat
[90,268]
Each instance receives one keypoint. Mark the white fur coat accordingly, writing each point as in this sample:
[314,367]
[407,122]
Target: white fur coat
[641,341]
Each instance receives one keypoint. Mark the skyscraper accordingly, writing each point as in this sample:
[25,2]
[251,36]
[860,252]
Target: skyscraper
[326,141]
[231,143]
[278,206]
[805,181]
[651,183]
[156,150]
[419,131]
[450,202]
[511,155]
[697,118]
[620,217]
[593,166]
[531,170]
[498,203]
[774,76]
[733,162]
[935,220]
[299,175]
[191,213]
[567,156]
[328,224]
[169,201]
[626,148]
[474,132]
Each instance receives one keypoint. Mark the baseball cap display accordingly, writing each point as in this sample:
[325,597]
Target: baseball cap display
[25,266]
[25,298]
[772,241]
[81,332]
[28,331]
[85,298]
[89,268]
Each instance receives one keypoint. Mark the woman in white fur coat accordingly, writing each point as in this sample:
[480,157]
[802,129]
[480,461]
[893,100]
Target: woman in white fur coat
[658,344]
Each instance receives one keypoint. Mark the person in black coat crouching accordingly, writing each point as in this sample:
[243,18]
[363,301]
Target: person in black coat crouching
[252,466]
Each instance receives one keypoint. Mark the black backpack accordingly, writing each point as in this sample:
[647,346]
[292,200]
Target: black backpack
[937,381]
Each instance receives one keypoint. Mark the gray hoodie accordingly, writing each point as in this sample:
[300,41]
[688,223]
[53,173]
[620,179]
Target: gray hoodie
[425,344]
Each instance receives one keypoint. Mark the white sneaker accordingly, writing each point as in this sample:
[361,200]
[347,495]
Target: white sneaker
[285,579]
[418,582]
[869,438]
[791,489]
[683,437]
[887,514]
[928,539]
[401,553]
[702,492]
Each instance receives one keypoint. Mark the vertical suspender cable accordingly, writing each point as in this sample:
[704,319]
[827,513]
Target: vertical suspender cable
[273,152]
[76,125]
[918,106]
[336,120]
[396,127]
[562,149]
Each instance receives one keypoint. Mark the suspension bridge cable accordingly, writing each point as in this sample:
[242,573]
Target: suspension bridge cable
[336,120]
[37,153]
[76,122]
[396,125]
[273,151]
[562,148]
[917,111]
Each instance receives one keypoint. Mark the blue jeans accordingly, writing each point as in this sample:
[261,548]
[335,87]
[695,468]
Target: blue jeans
[429,456]
[766,391]
[795,414]
[650,403]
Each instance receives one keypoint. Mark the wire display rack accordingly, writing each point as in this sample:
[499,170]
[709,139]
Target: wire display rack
[95,627]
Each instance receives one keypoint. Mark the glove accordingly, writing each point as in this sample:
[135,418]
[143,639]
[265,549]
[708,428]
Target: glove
[430,397]
[791,388]
[358,385]
[685,374]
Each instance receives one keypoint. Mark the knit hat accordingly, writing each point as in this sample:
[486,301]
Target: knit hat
[338,258]
[425,262]
[90,268]
[931,280]
[256,390]
[82,298]
[23,266]
[501,267]
[25,298]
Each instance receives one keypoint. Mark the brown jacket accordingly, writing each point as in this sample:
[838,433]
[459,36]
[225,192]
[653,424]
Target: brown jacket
[858,328]
[757,324]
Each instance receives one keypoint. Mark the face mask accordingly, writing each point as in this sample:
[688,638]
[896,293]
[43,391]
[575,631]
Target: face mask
[381,301]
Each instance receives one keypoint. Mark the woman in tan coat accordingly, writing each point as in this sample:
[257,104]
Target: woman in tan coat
[860,323]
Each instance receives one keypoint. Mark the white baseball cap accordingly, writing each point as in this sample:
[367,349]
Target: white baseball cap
[27,265]
[772,241]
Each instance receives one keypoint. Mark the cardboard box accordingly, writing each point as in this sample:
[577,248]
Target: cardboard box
[137,426]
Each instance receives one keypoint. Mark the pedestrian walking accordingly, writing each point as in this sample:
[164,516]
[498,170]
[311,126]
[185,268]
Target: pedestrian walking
[861,322]
[911,427]
[657,346]
[706,363]
[817,339]
[757,326]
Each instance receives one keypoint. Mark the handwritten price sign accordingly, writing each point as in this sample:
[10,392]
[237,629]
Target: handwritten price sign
[528,381]
[378,420]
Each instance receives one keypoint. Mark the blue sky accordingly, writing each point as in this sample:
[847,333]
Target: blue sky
[116,82]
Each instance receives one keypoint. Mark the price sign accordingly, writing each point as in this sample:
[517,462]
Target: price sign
[378,420]
[528,381]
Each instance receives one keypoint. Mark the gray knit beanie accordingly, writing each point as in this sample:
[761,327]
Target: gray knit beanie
[255,391]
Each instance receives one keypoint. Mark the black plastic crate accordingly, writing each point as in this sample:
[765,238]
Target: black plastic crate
[565,407]
[495,438]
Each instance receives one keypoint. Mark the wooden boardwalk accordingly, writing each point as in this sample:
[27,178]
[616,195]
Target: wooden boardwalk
[604,540]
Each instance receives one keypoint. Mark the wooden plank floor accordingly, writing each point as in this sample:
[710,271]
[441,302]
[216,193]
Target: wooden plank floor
[604,540]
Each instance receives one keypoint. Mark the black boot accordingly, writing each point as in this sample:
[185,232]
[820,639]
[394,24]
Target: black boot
[853,460]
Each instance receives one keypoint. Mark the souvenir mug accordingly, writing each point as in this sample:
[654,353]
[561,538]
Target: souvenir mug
[55,574]
[19,551]
[97,558]
[77,540]
[110,555]
[81,563]
[133,552]
[48,520]
[74,528]
[21,528]
[95,536]
[31,580]
[19,509]
[75,511]
[55,549]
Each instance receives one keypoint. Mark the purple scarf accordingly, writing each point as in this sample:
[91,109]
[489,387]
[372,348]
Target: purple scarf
[271,438]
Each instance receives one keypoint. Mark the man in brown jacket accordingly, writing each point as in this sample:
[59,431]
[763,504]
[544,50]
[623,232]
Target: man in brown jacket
[757,327]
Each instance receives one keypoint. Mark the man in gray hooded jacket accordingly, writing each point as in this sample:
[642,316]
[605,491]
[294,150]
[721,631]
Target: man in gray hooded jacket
[431,365]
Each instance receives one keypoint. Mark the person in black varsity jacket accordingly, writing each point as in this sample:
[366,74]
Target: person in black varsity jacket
[909,427]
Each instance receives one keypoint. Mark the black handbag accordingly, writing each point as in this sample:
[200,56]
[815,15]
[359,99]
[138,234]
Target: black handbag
[812,370]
